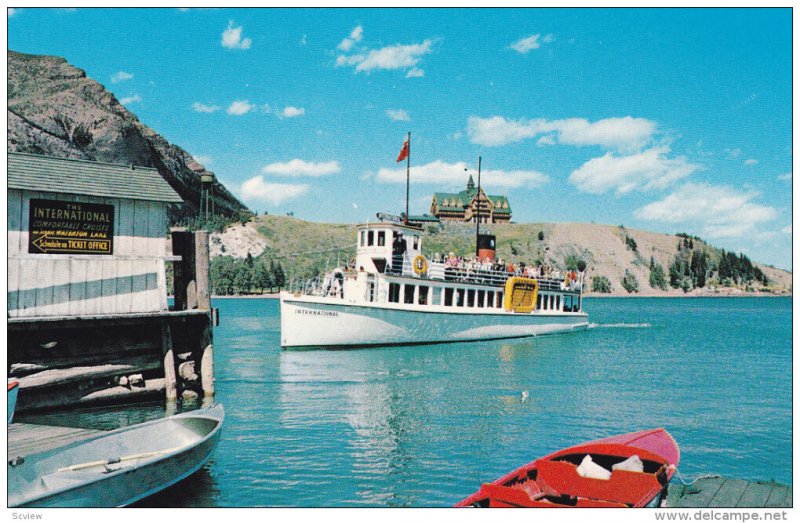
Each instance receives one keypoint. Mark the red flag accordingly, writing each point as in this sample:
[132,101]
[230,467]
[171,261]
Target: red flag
[403,152]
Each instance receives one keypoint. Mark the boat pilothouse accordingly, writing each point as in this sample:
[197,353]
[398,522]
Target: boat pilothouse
[392,293]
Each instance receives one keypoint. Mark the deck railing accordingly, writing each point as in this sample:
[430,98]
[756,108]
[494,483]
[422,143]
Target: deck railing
[441,271]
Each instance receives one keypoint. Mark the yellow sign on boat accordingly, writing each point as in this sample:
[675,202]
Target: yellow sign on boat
[520,295]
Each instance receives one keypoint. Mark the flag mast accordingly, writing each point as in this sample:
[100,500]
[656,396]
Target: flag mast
[478,212]
[408,172]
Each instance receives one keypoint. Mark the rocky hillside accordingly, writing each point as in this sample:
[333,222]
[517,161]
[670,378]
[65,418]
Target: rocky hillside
[55,110]
[304,248]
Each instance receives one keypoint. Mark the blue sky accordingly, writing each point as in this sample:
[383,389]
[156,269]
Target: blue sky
[667,120]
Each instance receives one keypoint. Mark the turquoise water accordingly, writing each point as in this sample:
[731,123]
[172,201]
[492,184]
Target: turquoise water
[426,425]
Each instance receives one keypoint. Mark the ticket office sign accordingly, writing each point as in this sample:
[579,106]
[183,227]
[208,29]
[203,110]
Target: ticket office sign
[58,227]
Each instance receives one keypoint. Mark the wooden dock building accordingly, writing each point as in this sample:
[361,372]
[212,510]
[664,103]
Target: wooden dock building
[88,315]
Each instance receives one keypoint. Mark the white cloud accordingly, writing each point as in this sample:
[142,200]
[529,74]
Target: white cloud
[650,169]
[732,154]
[240,107]
[232,38]
[355,36]
[391,57]
[355,205]
[11,11]
[497,130]
[453,175]
[398,115]
[523,45]
[290,111]
[130,99]
[624,134]
[299,167]
[257,190]
[304,40]
[787,230]
[121,77]
[787,176]
[548,38]
[751,161]
[718,211]
[203,108]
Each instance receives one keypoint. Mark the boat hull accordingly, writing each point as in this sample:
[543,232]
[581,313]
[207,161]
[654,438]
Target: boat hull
[13,391]
[623,488]
[327,324]
[37,482]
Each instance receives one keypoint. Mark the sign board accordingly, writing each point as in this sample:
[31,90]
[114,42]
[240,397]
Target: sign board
[520,294]
[58,227]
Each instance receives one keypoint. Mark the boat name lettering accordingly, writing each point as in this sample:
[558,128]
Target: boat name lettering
[316,313]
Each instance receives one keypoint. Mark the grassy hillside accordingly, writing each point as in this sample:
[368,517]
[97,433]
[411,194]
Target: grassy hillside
[307,248]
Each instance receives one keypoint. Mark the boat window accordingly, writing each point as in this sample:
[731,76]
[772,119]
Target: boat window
[552,301]
[558,302]
[481,298]
[416,242]
[538,301]
[544,302]
[490,298]
[471,298]
[448,297]
[423,295]
[394,292]
[577,306]
[567,303]
[499,299]
[370,237]
[381,238]
[408,296]
[459,297]
[363,238]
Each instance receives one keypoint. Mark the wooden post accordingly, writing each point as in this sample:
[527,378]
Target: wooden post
[202,274]
[184,270]
[170,379]
[207,357]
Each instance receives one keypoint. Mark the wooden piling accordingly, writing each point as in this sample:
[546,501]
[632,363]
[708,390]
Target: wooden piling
[170,379]
[202,270]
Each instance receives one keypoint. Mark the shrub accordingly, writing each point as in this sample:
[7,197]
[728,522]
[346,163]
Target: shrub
[658,278]
[629,282]
[601,284]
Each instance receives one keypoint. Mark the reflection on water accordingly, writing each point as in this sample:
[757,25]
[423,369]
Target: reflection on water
[425,426]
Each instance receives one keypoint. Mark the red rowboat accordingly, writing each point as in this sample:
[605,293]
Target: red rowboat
[568,479]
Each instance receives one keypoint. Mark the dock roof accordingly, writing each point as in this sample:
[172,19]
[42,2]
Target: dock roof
[34,172]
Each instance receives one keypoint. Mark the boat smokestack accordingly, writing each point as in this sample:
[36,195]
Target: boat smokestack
[486,247]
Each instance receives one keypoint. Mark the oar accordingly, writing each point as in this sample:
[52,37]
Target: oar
[90,464]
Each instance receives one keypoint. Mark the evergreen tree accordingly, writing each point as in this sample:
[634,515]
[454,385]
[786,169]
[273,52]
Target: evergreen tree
[280,277]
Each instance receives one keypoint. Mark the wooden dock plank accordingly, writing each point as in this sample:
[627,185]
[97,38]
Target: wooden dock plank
[27,438]
[756,495]
[699,494]
[778,497]
[729,493]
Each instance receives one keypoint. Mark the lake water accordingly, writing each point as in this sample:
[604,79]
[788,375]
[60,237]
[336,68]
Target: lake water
[426,425]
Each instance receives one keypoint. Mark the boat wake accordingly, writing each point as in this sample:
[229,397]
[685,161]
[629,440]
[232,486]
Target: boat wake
[620,325]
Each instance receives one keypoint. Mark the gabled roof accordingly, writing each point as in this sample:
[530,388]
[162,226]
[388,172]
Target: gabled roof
[500,202]
[33,172]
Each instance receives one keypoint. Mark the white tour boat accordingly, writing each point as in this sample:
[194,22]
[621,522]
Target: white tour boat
[393,295]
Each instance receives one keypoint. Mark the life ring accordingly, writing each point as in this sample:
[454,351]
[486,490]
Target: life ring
[420,264]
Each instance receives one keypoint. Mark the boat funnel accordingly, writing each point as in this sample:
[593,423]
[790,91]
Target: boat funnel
[486,247]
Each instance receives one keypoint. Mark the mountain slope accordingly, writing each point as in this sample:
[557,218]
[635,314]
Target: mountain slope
[305,248]
[55,110]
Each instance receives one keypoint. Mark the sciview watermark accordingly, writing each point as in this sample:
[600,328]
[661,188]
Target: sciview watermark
[728,515]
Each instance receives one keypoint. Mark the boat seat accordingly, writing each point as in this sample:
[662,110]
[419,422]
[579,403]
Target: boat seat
[518,495]
[630,488]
